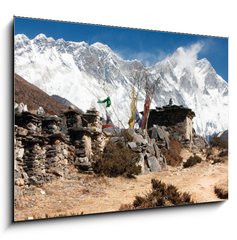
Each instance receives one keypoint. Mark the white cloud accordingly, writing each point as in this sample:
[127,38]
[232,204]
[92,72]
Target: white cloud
[187,56]
[184,56]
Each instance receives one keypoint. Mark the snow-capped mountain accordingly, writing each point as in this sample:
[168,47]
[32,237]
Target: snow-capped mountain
[84,73]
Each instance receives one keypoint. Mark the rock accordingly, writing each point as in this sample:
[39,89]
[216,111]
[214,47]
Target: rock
[65,161]
[31,126]
[83,163]
[116,139]
[25,176]
[157,150]
[143,165]
[33,180]
[132,145]
[40,111]
[108,132]
[138,149]
[22,131]
[19,108]
[129,134]
[58,172]
[80,151]
[42,192]
[19,182]
[153,164]
[65,152]
[140,139]
[150,149]
[159,134]
[19,152]
[162,161]
[81,160]
[56,142]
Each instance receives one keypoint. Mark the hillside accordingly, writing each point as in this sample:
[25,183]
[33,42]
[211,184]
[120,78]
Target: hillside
[34,97]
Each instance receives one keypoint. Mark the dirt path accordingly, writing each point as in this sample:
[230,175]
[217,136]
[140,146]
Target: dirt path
[90,194]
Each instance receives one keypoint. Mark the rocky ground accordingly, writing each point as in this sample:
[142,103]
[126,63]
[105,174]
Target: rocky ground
[87,194]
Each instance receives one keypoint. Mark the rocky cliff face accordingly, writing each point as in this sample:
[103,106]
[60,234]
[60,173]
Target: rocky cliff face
[84,73]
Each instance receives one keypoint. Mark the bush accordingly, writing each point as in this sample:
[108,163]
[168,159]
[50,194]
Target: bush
[118,160]
[221,192]
[172,154]
[161,195]
[193,160]
[223,153]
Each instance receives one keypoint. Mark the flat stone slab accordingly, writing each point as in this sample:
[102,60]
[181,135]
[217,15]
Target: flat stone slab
[154,164]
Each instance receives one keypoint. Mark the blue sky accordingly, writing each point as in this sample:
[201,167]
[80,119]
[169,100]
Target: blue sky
[147,46]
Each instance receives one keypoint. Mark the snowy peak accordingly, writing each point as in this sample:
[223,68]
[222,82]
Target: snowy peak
[21,38]
[101,46]
[40,37]
[84,73]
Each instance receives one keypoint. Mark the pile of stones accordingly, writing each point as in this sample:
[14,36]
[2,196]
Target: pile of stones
[42,152]
[46,146]
[49,147]
[150,157]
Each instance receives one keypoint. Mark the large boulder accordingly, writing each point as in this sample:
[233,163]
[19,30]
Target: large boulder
[153,164]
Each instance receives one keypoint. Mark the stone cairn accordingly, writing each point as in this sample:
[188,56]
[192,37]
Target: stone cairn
[150,157]
[42,152]
[45,146]
[86,135]
[50,147]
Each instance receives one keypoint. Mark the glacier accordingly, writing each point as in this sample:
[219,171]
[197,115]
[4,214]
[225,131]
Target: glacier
[84,73]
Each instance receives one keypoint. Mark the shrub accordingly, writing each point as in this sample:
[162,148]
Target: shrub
[223,153]
[161,195]
[221,192]
[118,160]
[172,154]
[193,160]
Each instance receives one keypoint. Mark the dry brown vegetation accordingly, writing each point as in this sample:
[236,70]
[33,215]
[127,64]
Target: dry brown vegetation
[116,161]
[191,161]
[161,195]
[35,97]
[221,190]
[172,154]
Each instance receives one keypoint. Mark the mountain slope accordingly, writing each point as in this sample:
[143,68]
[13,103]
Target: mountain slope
[84,73]
[34,97]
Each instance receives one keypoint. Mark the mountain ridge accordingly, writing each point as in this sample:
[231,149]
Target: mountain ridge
[34,97]
[84,73]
